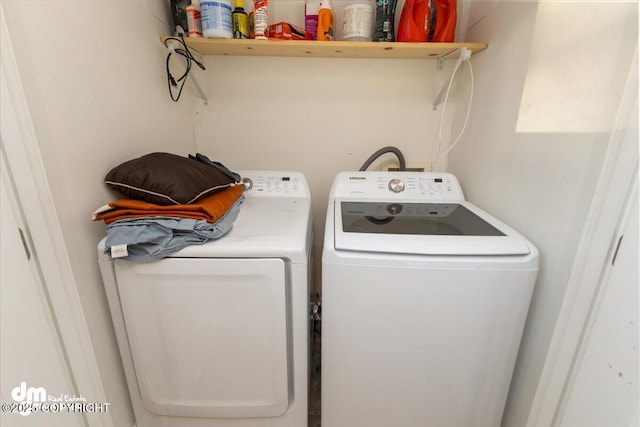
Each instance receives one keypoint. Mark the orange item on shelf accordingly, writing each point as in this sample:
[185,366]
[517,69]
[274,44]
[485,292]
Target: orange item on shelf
[428,20]
[445,21]
[286,31]
[414,21]
[325,22]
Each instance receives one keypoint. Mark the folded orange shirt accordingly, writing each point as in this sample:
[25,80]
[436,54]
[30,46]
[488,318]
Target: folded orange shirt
[210,208]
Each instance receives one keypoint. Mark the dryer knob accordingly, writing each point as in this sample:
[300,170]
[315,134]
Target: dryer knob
[246,183]
[396,185]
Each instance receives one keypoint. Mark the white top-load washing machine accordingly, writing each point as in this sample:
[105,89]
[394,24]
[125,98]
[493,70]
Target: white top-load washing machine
[218,334]
[424,300]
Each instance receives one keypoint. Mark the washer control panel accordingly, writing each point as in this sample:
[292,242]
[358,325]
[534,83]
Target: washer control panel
[274,184]
[406,185]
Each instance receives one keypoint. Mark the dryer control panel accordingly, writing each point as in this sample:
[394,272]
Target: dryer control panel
[404,185]
[274,184]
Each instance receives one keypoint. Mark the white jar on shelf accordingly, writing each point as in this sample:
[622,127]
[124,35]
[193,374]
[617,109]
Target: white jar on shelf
[216,19]
[357,21]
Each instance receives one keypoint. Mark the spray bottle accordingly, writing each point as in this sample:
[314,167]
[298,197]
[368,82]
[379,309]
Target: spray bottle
[325,22]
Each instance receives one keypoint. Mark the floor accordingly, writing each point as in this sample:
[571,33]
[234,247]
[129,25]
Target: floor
[314,382]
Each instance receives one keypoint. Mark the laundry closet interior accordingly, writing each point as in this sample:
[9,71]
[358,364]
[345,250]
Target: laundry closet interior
[548,90]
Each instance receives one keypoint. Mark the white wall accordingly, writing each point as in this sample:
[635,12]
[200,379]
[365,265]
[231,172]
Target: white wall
[319,116]
[93,73]
[547,91]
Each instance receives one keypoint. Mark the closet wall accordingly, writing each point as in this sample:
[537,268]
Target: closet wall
[93,73]
[547,91]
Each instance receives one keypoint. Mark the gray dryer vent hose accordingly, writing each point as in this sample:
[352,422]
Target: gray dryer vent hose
[380,152]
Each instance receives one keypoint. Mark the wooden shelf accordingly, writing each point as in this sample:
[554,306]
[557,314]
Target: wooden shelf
[335,49]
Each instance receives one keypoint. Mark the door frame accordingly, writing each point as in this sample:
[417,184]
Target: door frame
[43,232]
[597,246]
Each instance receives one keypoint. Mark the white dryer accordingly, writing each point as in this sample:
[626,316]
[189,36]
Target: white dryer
[218,334]
[424,300]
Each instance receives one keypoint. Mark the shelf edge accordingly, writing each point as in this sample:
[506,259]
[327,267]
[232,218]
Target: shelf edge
[336,49]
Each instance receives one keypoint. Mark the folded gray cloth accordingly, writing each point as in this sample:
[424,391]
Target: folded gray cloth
[152,238]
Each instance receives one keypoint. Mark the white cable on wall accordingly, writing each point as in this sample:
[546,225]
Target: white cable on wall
[466,118]
[439,144]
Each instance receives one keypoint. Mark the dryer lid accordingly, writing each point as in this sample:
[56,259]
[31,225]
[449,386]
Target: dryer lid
[456,228]
[265,227]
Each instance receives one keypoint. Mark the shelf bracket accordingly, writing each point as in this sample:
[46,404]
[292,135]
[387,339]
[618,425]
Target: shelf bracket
[171,46]
[464,55]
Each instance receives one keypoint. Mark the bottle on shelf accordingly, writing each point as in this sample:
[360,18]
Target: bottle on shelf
[260,19]
[216,19]
[415,21]
[311,9]
[385,16]
[325,22]
[357,22]
[445,21]
[428,20]
[194,22]
[240,21]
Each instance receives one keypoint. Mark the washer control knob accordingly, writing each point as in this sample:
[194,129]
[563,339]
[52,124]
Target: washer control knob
[396,185]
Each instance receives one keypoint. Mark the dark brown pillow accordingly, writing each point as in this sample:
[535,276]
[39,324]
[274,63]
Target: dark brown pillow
[166,179]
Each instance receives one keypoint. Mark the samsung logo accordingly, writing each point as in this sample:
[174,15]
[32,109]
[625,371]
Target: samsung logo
[357,178]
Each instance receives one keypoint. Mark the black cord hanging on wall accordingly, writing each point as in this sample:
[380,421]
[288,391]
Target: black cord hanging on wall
[178,46]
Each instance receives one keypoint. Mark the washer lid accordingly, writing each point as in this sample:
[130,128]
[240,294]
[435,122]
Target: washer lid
[456,228]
